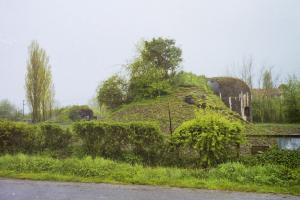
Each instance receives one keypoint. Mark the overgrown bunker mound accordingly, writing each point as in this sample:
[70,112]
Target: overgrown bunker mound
[235,93]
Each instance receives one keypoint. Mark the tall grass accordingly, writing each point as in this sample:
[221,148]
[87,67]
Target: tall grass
[230,176]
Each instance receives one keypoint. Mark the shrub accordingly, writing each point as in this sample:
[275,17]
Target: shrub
[112,92]
[80,112]
[287,158]
[258,174]
[188,79]
[56,139]
[146,82]
[137,140]
[27,138]
[19,137]
[208,139]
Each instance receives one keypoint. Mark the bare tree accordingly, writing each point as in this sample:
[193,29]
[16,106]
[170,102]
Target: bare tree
[246,73]
[242,70]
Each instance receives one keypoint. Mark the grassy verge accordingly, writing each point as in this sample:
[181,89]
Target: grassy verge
[273,129]
[229,176]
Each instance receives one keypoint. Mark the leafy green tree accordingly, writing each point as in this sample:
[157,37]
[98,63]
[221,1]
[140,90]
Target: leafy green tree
[162,53]
[291,94]
[267,82]
[152,72]
[146,81]
[112,92]
[208,139]
[39,87]
[267,104]
[7,110]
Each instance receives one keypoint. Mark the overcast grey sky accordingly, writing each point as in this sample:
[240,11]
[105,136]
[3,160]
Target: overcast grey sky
[88,40]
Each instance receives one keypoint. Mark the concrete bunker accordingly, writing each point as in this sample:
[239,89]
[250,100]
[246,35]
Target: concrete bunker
[235,93]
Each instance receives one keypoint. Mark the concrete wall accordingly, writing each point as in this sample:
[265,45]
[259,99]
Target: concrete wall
[234,93]
[257,143]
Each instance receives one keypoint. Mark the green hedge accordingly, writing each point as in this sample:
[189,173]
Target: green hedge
[135,141]
[18,137]
[56,140]
[275,156]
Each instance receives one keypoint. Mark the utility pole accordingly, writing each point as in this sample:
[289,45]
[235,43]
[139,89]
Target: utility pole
[170,119]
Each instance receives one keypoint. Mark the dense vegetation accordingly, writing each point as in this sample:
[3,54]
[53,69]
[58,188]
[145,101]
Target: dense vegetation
[8,110]
[151,74]
[190,92]
[287,158]
[156,115]
[272,104]
[209,139]
[229,176]
[133,142]
[73,113]
[19,137]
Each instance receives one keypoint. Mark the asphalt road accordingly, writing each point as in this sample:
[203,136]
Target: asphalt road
[46,190]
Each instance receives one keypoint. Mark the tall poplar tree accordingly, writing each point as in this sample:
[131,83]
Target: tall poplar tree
[39,86]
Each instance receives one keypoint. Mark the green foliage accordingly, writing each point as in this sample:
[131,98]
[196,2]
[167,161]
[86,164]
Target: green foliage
[61,115]
[80,112]
[272,129]
[19,137]
[146,81]
[152,72]
[162,54]
[38,83]
[291,94]
[27,138]
[229,176]
[112,92]
[258,174]
[281,104]
[120,140]
[73,113]
[188,79]
[287,158]
[7,110]
[209,139]
[266,108]
[267,79]
[56,139]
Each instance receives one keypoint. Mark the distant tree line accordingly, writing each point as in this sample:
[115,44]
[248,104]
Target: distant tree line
[272,101]
[9,110]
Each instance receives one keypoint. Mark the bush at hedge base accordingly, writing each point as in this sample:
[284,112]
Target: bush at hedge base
[274,156]
[19,137]
[134,141]
[207,140]
[57,141]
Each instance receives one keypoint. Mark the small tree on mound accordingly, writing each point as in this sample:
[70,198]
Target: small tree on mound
[208,139]
[112,92]
[152,73]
